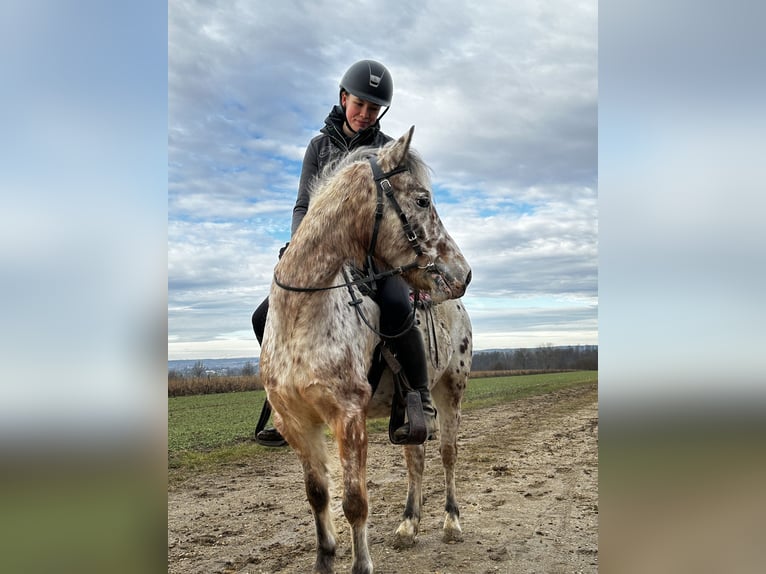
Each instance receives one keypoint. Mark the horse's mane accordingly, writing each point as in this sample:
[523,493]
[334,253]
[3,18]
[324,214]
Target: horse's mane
[415,164]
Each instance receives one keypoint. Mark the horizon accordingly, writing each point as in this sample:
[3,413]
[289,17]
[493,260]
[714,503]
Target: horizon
[475,351]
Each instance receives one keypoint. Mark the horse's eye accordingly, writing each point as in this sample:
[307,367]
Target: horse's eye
[423,202]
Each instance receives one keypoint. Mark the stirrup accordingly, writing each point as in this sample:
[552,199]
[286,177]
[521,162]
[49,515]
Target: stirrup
[418,433]
[270,437]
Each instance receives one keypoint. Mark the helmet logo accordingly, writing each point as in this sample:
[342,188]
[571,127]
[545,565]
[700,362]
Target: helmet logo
[374,80]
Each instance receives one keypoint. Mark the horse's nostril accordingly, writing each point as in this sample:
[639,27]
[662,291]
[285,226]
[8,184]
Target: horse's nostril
[468,279]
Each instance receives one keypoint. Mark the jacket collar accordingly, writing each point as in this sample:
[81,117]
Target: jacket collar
[334,128]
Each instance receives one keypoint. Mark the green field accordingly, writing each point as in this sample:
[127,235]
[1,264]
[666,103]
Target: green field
[205,430]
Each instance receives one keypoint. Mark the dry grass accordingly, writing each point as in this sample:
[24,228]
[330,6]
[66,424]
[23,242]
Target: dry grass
[206,385]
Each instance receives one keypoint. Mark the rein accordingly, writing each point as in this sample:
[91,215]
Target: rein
[370,278]
[356,302]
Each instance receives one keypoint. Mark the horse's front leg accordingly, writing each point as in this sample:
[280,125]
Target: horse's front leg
[351,434]
[318,495]
[312,452]
[404,537]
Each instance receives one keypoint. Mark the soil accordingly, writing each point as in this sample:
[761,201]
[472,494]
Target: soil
[527,485]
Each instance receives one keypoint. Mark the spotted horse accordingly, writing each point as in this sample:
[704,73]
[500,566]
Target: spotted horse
[317,349]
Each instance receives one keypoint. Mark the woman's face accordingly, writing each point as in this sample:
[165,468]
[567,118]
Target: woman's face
[359,113]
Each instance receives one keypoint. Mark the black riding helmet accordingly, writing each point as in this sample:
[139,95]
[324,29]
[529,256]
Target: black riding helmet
[369,80]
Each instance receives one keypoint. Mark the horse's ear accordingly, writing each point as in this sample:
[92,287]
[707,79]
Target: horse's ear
[391,157]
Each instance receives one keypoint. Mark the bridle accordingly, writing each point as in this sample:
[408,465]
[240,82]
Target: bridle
[384,187]
[371,276]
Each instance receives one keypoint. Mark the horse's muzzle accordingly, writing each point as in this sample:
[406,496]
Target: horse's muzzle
[448,286]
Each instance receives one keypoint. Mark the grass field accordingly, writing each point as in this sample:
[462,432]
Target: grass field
[205,430]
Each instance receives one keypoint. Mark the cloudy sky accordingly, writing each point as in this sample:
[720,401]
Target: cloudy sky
[503,96]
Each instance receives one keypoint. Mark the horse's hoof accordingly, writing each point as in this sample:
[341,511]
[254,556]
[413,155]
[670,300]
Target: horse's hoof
[405,535]
[325,563]
[451,532]
[362,568]
[403,542]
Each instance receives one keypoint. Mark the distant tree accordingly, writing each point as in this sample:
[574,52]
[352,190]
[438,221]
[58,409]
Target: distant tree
[521,359]
[248,369]
[545,355]
[198,369]
[566,358]
[587,359]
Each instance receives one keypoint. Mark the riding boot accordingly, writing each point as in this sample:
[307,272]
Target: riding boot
[265,436]
[411,354]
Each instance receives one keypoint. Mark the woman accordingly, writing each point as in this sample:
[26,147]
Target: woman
[364,89]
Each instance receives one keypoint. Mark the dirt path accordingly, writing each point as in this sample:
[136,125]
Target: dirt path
[527,481]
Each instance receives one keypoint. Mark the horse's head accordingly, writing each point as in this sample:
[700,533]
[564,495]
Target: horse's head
[413,231]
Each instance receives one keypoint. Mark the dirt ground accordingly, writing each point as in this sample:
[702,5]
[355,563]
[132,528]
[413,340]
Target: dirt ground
[527,486]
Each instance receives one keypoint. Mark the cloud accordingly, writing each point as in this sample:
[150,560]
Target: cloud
[504,100]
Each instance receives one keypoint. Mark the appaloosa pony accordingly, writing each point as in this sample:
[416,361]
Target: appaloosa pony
[317,349]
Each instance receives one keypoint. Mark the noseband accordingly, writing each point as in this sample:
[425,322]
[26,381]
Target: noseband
[383,186]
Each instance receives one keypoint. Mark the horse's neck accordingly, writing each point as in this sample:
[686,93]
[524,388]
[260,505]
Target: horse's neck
[323,242]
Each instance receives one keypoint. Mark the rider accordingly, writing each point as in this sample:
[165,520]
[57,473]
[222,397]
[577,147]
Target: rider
[364,89]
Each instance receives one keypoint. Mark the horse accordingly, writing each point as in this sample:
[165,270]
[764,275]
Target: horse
[317,349]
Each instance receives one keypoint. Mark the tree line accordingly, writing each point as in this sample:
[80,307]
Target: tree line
[199,370]
[199,379]
[545,357]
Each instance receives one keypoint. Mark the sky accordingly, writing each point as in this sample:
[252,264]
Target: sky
[503,97]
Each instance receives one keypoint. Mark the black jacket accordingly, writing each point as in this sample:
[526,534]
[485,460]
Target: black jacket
[329,145]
